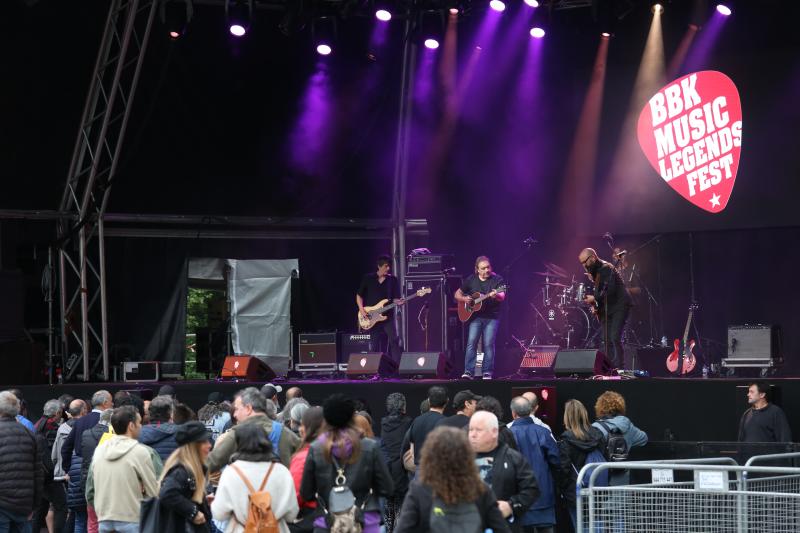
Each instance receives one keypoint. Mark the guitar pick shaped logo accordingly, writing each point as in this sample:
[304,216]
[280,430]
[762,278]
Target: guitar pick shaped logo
[691,132]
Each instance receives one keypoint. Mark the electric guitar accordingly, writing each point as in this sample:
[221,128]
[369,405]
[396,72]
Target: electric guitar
[689,360]
[376,312]
[466,310]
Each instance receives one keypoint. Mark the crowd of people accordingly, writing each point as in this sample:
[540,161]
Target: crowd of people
[117,463]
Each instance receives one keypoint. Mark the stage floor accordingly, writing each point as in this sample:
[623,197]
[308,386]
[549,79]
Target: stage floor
[689,409]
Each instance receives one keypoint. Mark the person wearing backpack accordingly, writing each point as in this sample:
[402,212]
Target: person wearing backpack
[182,493]
[345,473]
[448,495]
[619,434]
[580,444]
[255,492]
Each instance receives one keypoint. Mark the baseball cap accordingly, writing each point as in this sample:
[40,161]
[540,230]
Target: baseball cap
[464,396]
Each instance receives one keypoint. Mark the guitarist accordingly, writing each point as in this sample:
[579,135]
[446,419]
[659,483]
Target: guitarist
[485,321]
[375,287]
[611,302]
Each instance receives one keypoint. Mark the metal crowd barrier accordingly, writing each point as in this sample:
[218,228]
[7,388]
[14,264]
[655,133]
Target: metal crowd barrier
[699,495]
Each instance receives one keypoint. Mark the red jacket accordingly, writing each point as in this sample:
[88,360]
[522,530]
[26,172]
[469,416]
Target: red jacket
[296,468]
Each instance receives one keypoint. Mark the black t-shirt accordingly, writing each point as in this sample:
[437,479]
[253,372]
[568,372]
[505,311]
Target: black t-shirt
[485,461]
[457,421]
[373,292]
[491,306]
[420,427]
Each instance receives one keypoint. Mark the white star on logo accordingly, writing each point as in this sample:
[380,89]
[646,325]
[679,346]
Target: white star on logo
[714,200]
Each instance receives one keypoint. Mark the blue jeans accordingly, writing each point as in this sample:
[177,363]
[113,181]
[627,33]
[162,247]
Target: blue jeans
[477,327]
[107,526]
[13,522]
[81,519]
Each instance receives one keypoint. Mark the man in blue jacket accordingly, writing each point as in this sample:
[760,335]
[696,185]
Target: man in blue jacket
[159,434]
[537,445]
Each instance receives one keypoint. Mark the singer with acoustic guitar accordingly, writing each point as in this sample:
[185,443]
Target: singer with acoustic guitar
[611,303]
[485,287]
[377,286]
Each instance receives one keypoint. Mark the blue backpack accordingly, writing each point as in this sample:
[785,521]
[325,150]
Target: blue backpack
[595,456]
[275,436]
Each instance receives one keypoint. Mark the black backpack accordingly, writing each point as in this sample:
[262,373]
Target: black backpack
[462,517]
[616,447]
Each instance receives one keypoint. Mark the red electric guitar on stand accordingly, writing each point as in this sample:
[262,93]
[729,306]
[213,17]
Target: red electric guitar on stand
[684,356]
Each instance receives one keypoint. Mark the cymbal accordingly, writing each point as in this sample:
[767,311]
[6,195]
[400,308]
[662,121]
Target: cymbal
[557,270]
[547,274]
[556,285]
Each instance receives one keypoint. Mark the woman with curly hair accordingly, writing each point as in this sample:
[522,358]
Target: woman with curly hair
[449,488]
[610,411]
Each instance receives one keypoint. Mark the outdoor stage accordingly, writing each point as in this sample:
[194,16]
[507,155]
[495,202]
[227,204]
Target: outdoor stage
[694,410]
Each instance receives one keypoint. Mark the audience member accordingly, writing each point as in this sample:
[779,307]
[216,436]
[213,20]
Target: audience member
[424,423]
[182,492]
[22,417]
[215,415]
[270,392]
[464,403]
[250,409]
[448,485]
[159,434]
[293,392]
[610,411]
[182,413]
[101,400]
[121,474]
[492,405]
[22,480]
[90,440]
[394,427]
[502,468]
[254,465]
[358,462]
[364,425]
[296,417]
[537,446]
[52,510]
[310,428]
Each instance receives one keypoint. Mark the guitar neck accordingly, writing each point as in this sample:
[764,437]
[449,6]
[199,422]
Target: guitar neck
[688,323]
[393,305]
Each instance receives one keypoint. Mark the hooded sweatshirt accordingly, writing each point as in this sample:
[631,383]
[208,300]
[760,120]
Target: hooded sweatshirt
[122,474]
[393,429]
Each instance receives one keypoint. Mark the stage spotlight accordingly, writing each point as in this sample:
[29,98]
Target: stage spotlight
[537,32]
[431,28]
[722,9]
[657,9]
[383,15]
[239,14]
[176,17]
[605,35]
[431,44]
[532,3]
[323,33]
[454,11]
[497,5]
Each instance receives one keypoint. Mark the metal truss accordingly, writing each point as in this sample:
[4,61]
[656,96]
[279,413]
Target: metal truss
[82,275]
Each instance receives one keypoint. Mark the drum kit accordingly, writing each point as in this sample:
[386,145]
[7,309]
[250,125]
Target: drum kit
[562,317]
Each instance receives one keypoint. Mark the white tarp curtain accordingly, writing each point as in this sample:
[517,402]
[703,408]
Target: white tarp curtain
[260,292]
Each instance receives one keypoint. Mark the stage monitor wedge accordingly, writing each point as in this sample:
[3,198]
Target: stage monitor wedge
[583,363]
[432,365]
[246,367]
[370,364]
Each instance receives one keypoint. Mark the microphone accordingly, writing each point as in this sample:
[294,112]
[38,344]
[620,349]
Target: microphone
[446,270]
[530,241]
[621,254]
[608,237]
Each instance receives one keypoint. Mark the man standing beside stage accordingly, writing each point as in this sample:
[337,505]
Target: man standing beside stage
[485,321]
[610,302]
[377,286]
[763,421]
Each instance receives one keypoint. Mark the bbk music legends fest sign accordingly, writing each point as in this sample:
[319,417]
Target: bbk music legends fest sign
[691,132]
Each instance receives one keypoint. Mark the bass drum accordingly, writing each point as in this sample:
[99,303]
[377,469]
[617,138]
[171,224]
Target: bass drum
[568,327]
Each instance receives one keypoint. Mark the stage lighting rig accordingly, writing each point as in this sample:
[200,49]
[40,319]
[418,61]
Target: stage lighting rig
[239,15]
[176,16]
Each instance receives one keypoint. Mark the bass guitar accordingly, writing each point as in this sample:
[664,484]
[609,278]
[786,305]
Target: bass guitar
[689,360]
[466,310]
[376,312]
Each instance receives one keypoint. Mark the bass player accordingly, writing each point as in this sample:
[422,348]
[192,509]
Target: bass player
[484,322]
[377,286]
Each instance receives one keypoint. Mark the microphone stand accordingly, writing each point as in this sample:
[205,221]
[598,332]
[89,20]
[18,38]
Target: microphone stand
[528,243]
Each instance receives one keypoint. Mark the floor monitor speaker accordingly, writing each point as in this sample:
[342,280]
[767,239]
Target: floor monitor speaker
[581,363]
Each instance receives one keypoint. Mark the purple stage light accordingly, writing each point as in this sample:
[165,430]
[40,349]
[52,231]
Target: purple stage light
[324,49]
[532,3]
[237,30]
[383,15]
[537,33]
[497,5]
[431,44]
[722,9]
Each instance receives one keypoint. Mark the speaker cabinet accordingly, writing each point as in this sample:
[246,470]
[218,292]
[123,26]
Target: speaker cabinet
[246,367]
[140,371]
[370,364]
[431,322]
[424,365]
[581,363]
[317,352]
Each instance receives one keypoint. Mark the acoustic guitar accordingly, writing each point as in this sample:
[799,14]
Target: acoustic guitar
[689,360]
[376,312]
[466,310]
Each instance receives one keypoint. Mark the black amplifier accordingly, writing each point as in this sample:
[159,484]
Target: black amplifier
[317,352]
[429,264]
[359,343]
